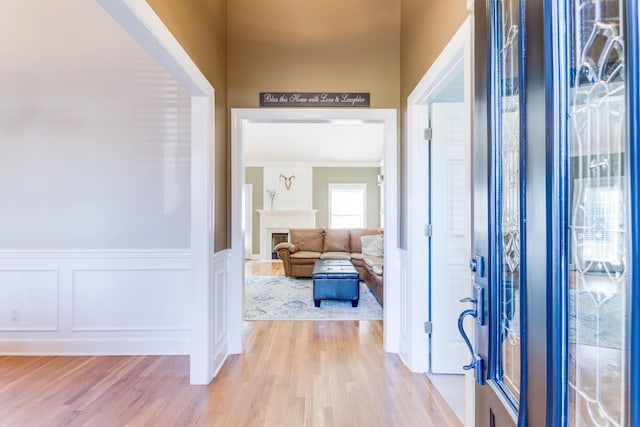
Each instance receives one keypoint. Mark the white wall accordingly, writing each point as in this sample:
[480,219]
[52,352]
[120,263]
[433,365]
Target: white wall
[298,197]
[94,135]
[94,187]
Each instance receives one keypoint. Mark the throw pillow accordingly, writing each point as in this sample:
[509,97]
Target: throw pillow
[372,245]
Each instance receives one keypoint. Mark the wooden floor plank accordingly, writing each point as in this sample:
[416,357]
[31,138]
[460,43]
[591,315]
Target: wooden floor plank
[291,374]
[263,268]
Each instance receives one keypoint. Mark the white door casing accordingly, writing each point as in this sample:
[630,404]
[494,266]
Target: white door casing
[209,345]
[247,220]
[387,117]
[413,340]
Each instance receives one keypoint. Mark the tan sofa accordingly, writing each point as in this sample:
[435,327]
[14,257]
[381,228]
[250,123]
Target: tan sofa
[306,246]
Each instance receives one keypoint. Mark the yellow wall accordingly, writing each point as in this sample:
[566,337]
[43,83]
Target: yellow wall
[200,26]
[314,46]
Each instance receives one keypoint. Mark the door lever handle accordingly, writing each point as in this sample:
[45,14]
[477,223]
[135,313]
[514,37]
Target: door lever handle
[465,337]
[469,299]
[476,361]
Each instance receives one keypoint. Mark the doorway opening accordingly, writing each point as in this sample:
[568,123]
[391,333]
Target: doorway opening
[321,177]
[439,202]
[243,120]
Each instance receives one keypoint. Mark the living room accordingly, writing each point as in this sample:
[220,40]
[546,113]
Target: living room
[327,177]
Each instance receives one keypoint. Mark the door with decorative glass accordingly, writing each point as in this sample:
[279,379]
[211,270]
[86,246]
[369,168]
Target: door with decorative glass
[498,234]
[594,222]
[556,181]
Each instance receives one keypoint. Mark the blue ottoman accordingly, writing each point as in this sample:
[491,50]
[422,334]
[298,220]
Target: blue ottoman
[335,281]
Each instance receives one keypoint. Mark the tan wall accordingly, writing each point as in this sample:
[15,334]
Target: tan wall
[379,46]
[426,28]
[200,26]
[314,45]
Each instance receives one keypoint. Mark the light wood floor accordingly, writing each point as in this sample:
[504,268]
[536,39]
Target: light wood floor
[291,374]
[263,268]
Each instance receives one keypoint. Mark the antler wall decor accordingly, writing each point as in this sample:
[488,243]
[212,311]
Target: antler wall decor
[288,180]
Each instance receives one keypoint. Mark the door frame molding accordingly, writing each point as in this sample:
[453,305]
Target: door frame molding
[459,50]
[388,117]
[633,66]
[139,20]
[248,226]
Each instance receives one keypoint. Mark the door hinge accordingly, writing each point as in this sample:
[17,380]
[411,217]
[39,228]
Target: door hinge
[428,230]
[428,327]
[428,134]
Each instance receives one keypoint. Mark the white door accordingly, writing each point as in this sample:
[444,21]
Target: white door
[450,219]
[247,220]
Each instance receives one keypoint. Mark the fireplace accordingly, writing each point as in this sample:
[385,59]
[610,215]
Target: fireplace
[281,221]
[275,239]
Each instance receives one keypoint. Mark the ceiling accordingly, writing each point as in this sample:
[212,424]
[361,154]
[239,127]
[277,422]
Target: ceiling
[337,143]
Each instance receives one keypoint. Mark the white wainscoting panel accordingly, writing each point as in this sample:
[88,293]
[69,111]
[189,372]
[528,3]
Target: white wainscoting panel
[403,345]
[119,300]
[95,302]
[29,300]
[220,306]
[218,317]
[403,292]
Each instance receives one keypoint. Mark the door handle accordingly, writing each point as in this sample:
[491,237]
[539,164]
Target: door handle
[476,361]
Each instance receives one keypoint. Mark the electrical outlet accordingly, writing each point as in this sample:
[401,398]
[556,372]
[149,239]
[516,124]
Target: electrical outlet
[15,314]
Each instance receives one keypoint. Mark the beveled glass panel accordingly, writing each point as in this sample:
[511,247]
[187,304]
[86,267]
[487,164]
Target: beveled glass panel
[598,203]
[508,192]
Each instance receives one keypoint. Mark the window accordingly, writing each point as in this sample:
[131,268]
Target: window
[347,205]
[598,224]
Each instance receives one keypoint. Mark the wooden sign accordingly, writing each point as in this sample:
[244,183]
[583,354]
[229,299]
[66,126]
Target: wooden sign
[314,99]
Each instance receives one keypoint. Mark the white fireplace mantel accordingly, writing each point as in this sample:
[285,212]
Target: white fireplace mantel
[281,221]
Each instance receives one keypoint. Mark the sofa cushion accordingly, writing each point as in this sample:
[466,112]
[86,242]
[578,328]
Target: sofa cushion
[286,245]
[357,262]
[357,233]
[336,241]
[356,256]
[373,261]
[307,239]
[377,269]
[306,255]
[335,255]
[372,245]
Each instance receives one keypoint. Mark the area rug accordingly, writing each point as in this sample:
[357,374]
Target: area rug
[287,298]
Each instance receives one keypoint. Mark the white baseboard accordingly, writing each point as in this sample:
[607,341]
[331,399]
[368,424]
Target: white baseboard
[142,346]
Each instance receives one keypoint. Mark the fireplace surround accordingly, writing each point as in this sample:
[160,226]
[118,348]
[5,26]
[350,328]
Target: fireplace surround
[279,222]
